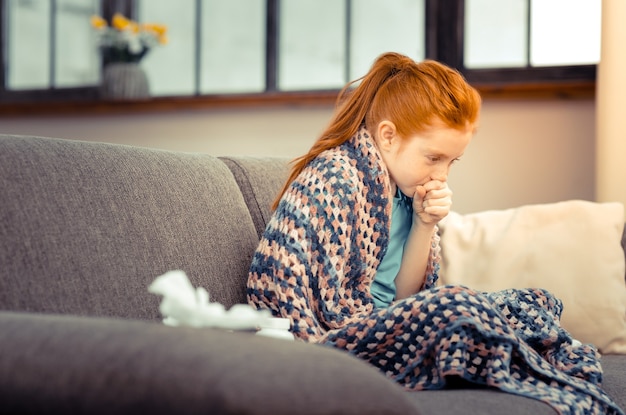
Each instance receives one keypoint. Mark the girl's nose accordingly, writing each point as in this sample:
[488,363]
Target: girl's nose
[441,174]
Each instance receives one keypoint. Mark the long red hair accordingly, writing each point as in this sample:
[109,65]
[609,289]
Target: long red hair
[398,89]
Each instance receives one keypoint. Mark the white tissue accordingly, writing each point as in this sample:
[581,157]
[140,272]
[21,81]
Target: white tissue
[182,305]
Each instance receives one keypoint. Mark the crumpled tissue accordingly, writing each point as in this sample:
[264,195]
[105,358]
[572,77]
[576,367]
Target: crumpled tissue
[182,305]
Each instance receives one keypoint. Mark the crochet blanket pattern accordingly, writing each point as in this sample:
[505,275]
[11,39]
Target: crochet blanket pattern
[315,264]
[509,340]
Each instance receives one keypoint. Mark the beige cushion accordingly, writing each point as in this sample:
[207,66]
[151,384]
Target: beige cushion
[570,248]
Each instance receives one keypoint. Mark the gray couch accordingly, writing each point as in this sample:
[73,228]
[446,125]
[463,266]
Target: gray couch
[86,227]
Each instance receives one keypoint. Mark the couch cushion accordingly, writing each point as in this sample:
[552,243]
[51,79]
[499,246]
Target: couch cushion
[614,378]
[260,180]
[95,366]
[86,227]
[478,402]
[572,248]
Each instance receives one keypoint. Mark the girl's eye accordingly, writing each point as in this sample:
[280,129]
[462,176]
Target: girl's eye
[434,159]
[455,160]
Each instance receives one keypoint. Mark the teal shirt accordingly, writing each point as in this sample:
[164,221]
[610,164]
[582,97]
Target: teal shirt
[383,287]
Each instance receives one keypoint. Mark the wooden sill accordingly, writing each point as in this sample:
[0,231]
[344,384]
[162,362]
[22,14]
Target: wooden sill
[171,104]
[551,91]
[564,90]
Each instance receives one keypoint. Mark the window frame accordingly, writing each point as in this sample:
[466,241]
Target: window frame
[448,47]
[444,42]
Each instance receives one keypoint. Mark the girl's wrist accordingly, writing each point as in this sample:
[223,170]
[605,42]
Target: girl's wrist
[420,226]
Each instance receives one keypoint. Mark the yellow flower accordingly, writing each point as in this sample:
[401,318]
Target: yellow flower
[98,22]
[126,40]
[157,30]
[133,27]
[120,22]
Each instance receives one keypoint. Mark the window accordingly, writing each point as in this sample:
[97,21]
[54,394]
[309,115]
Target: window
[520,33]
[530,40]
[234,25]
[324,44]
[47,47]
[269,47]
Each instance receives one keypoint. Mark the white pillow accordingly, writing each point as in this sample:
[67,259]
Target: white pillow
[571,248]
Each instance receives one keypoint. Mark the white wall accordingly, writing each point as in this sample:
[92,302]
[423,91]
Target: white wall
[528,152]
[525,151]
[281,132]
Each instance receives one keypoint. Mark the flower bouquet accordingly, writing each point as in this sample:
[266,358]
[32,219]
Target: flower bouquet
[126,40]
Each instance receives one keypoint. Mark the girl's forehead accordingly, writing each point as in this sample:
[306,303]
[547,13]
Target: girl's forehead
[445,141]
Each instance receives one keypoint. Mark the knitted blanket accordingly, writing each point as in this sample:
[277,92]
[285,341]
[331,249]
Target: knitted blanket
[315,264]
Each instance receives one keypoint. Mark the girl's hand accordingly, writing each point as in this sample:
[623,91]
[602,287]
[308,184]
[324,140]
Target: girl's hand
[432,202]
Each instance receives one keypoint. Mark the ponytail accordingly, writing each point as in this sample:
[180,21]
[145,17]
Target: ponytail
[397,89]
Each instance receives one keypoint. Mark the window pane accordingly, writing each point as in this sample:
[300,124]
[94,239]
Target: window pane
[312,44]
[28,44]
[495,33]
[233,46]
[377,27]
[171,68]
[565,32]
[77,58]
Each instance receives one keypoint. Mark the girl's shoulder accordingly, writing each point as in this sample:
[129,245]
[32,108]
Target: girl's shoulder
[336,168]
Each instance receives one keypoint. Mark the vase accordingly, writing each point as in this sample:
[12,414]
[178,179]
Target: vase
[124,80]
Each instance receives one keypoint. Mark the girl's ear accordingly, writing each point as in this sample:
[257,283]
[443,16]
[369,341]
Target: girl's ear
[387,134]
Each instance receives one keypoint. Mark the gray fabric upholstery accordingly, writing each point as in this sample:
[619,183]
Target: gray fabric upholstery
[614,378]
[478,401]
[104,366]
[86,227]
[260,181]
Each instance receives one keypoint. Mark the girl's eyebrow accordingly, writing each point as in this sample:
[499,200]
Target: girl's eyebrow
[437,153]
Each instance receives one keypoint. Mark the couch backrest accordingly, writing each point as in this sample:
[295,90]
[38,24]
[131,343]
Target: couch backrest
[86,227]
[259,179]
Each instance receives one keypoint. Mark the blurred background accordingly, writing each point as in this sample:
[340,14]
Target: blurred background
[259,77]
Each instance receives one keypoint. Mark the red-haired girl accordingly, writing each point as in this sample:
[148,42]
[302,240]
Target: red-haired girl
[351,252]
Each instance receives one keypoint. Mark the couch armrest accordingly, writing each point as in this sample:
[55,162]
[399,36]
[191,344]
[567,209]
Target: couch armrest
[67,364]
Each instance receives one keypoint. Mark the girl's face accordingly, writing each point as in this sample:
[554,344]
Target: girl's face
[421,158]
